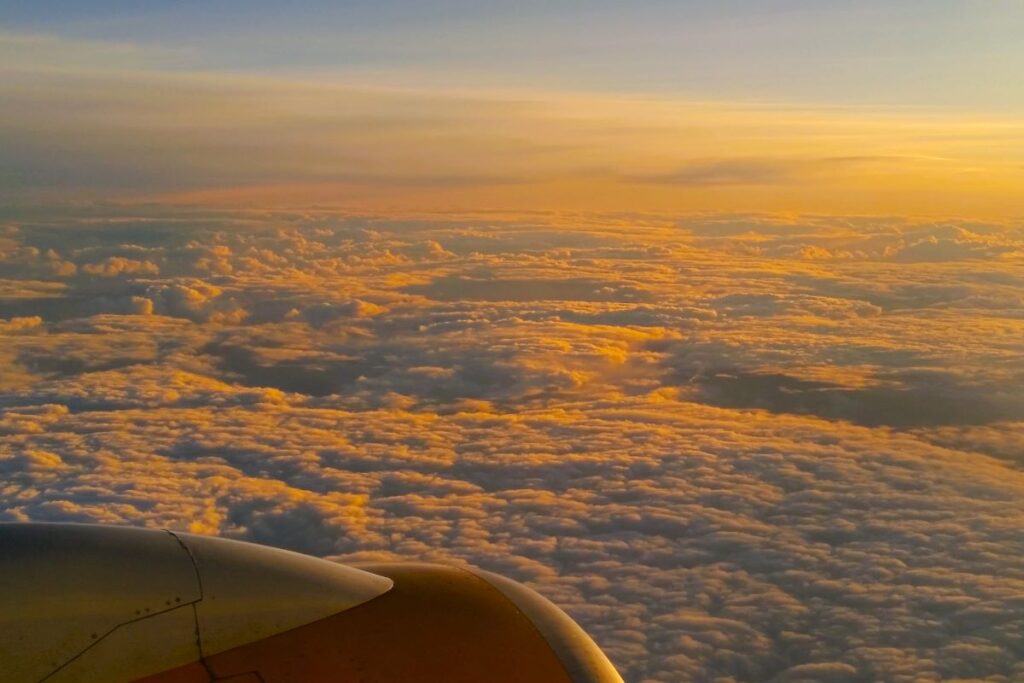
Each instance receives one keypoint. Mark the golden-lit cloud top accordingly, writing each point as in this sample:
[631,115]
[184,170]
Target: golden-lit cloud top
[749,446]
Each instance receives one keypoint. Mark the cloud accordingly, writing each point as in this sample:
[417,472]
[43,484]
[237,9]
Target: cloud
[532,289]
[729,172]
[728,460]
[767,171]
[115,266]
[20,324]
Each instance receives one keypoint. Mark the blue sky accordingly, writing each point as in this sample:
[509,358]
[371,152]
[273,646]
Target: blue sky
[962,53]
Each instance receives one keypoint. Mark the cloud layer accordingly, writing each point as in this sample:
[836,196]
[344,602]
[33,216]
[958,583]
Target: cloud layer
[736,448]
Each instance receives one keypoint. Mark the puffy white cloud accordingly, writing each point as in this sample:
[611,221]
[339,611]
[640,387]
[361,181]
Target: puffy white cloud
[20,324]
[115,266]
[736,449]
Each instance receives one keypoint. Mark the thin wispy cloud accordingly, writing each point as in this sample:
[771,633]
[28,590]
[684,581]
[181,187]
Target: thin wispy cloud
[107,125]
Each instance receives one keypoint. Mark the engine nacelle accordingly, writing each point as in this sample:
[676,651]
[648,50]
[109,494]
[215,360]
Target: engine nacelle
[103,604]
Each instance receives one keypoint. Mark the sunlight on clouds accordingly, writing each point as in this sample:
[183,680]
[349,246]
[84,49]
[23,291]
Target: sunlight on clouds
[722,378]
[736,447]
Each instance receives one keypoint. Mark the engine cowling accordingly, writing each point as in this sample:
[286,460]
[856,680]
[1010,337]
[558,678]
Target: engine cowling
[116,604]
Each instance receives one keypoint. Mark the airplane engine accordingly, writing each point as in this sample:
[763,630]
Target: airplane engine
[101,604]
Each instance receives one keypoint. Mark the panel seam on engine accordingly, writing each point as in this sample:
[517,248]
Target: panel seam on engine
[195,611]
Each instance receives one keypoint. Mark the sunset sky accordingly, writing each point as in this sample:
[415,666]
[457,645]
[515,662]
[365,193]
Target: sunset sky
[705,319]
[870,107]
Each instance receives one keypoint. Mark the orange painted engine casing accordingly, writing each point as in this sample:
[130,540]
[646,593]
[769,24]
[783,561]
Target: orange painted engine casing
[437,624]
